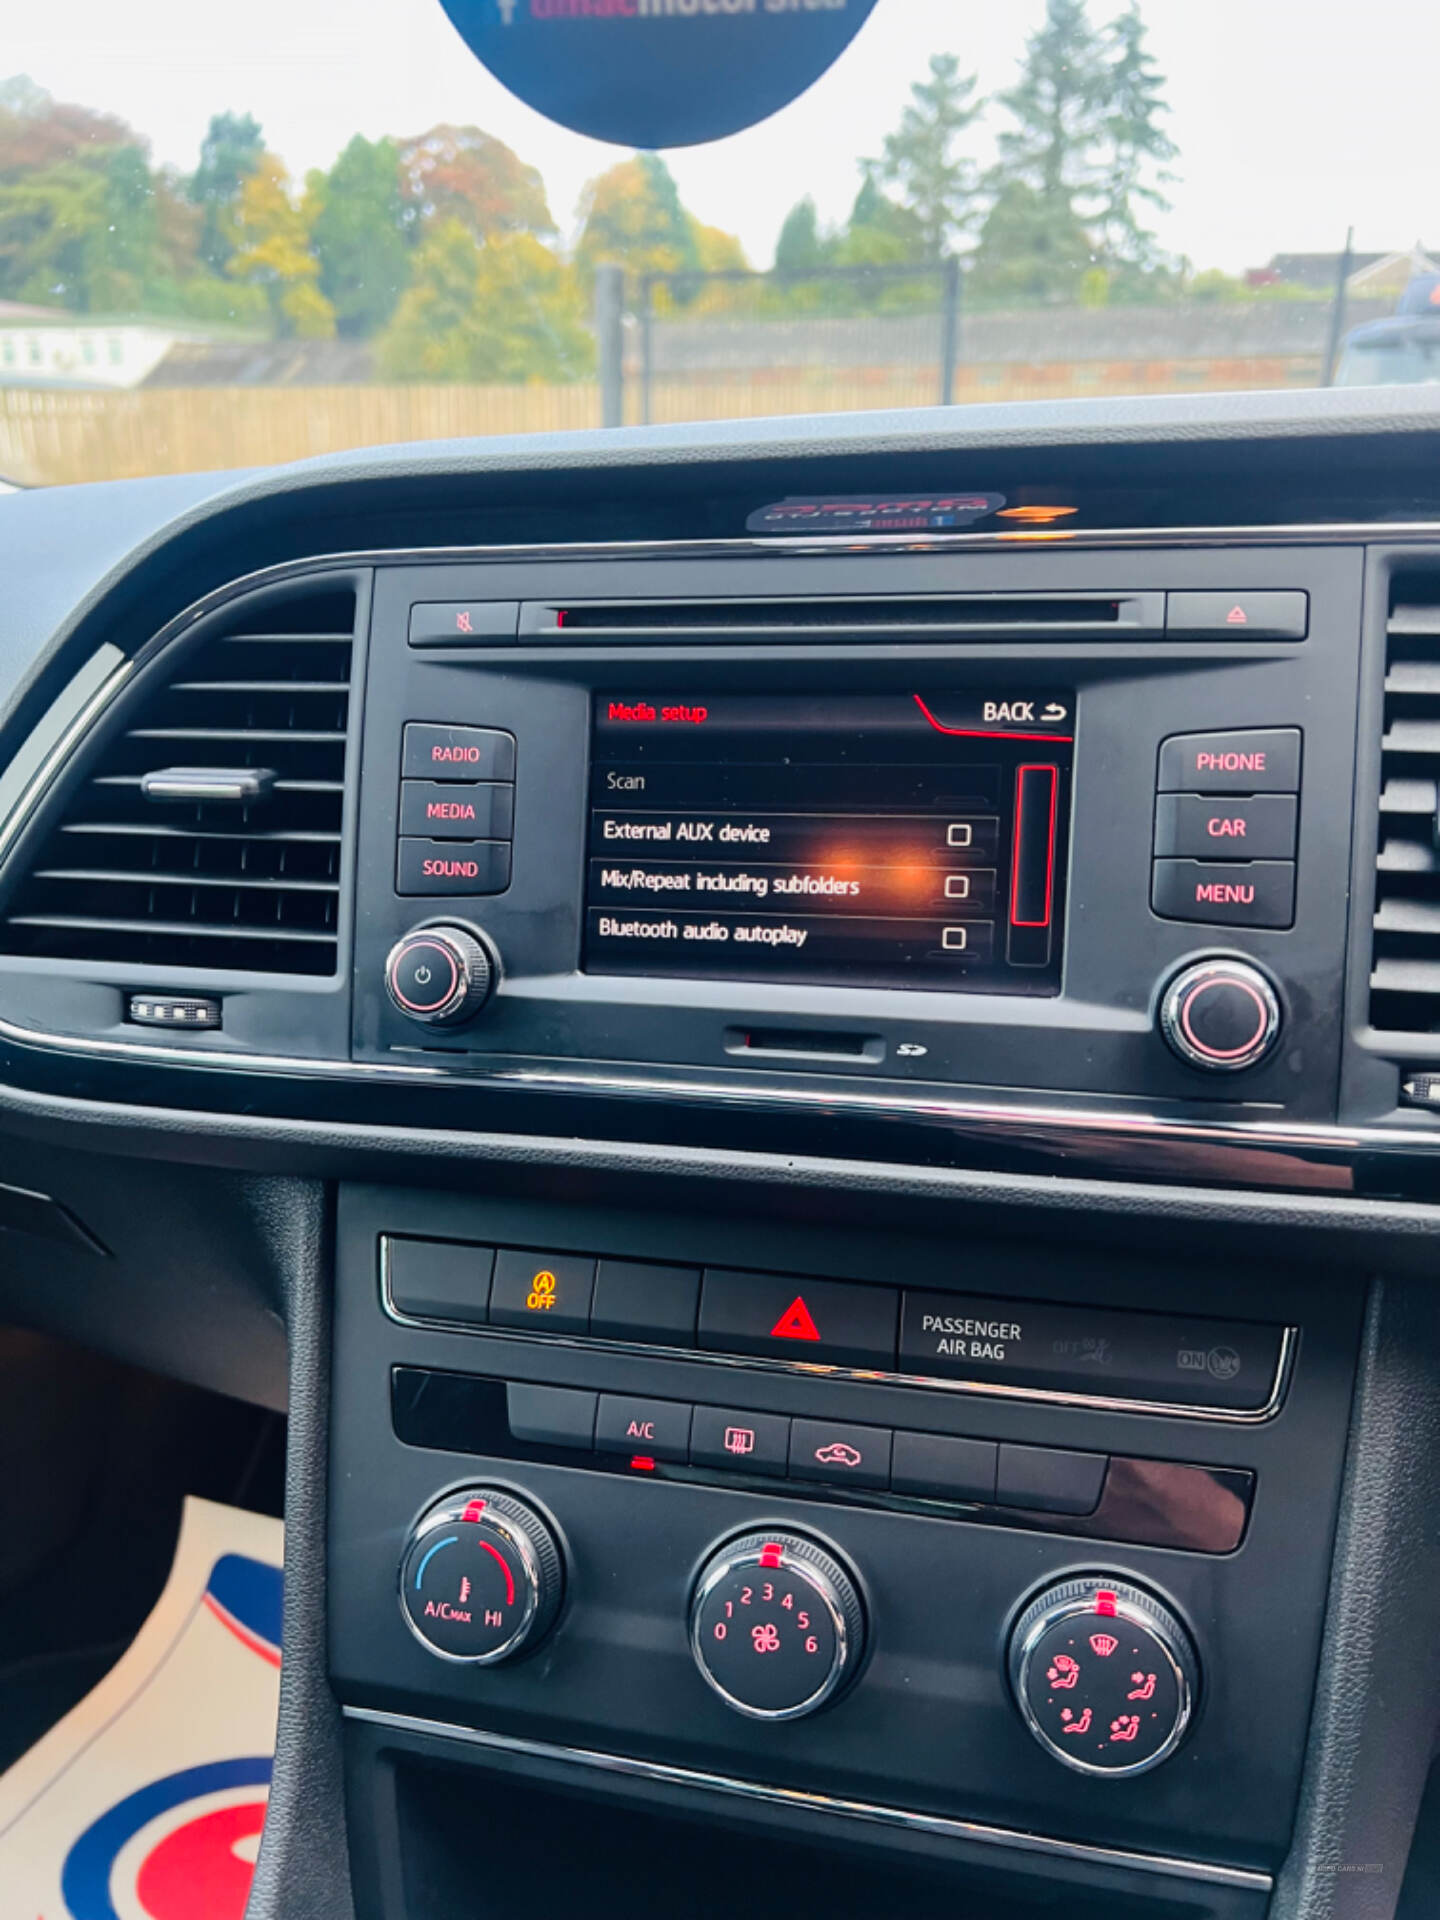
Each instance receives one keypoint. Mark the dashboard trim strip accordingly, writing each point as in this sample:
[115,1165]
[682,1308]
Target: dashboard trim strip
[942,1826]
[988,1389]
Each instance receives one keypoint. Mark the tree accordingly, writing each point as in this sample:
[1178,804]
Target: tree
[229,155]
[1137,145]
[465,174]
[357,229]
[1032,251]
[633,217]
[1059,107]
[937,184]
[502,309]
[272,250]
[801,245]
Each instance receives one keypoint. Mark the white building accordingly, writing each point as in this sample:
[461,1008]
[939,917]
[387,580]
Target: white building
[47,347]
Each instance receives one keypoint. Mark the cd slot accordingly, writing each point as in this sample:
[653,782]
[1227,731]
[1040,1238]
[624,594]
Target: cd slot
[1043,616]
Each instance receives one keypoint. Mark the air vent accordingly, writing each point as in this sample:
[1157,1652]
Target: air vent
[247,883]
[1405,971]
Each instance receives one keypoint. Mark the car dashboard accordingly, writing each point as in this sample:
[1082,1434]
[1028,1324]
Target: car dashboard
[810,1056]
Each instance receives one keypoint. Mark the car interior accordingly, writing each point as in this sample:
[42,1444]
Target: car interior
[937,1414]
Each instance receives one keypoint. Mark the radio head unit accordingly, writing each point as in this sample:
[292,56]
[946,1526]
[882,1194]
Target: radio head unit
[887,839]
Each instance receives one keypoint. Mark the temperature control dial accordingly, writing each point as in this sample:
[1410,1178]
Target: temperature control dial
[1220,1016]
[1104,1675]
[481,1577]
[440,976]
[776,1625]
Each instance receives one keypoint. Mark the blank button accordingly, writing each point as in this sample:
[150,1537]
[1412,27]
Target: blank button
[1049,1480]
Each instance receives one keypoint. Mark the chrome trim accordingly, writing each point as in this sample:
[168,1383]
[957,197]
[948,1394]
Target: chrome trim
[1164,1630]
[823,1575]
[941,1826]
[50,767]
[991,1389]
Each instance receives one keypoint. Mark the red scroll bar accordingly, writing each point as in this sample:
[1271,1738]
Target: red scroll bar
[1032,869]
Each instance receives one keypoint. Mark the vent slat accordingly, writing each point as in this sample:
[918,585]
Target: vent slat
[1405,951]
[200,884]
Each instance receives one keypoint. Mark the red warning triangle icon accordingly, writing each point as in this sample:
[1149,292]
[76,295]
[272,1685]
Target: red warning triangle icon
[795,1323]
[1237,617]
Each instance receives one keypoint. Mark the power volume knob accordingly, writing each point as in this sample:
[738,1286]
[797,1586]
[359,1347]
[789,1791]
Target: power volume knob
[1220,1016]
[440,976]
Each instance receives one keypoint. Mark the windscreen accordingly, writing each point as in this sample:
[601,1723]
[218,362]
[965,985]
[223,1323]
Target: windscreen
[229,238]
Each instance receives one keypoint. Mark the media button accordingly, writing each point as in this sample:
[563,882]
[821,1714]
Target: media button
[1255,893]
[432,811]
[649,1429]
[1258,827]
[1266,760]
[843,1455]
[739,1442]
[542,1292]
[820,1322]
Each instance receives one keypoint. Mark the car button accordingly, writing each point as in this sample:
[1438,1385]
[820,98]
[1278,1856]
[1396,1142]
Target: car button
[1048,1480]
[551,1416]
[1254,893]
[452,866]
[1238,616]
[739,1442]
[438,1279]
[936,1466]
[460,623]
[485,811]
[1266,760]
[845,1455]
[542,1292]
[652,1429]
[1259,827]
[651,1304]
[433,752]
[825,1322]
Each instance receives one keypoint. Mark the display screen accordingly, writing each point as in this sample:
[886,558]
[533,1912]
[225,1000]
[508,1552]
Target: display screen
[897,839]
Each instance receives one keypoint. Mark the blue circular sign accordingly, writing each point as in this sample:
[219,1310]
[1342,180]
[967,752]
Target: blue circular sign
[658,73]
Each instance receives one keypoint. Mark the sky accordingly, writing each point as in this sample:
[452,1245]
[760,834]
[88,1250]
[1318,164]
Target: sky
[1295,118]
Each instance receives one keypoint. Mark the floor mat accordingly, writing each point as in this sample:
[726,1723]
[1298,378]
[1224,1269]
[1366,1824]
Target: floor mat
[147,1800]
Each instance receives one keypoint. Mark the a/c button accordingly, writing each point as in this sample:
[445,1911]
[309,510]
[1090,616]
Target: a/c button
[542,1292]
[656,1429]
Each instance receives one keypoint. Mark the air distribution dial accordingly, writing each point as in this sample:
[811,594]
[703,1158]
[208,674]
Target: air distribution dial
[440,976]
[1104,1675]
[481,1577]
[776,1625]
[1220,1015]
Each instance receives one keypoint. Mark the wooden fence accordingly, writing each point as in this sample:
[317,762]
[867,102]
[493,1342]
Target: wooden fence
[50,436]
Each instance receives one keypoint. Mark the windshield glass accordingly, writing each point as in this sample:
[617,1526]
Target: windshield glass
[231,237]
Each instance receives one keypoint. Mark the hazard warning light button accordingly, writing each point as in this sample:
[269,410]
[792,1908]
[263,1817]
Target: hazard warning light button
[815,1322]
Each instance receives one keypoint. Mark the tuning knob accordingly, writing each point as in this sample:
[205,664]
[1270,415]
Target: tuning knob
[481,1577]
[1220,1016]
[440,976]
[1104,1675]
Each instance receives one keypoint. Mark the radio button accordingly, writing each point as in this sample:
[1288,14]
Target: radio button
[1253,893]
[485,811]
[821,1322]
[452,866]
[433,752]
[739,1442]
[1260,827]
[1263,761]
[542,1292]
[654,1429]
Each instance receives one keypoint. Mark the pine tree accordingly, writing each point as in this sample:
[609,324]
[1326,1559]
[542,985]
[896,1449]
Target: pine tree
[1059,107]
[1137,145]
[229,155]
[937,185]
[801,246]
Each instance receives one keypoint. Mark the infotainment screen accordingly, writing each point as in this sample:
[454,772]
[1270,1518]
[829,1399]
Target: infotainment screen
[897,839]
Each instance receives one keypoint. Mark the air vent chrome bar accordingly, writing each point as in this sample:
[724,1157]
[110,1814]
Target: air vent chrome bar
[237,784]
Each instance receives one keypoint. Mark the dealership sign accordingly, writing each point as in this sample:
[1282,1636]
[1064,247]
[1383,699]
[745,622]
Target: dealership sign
[658,73]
